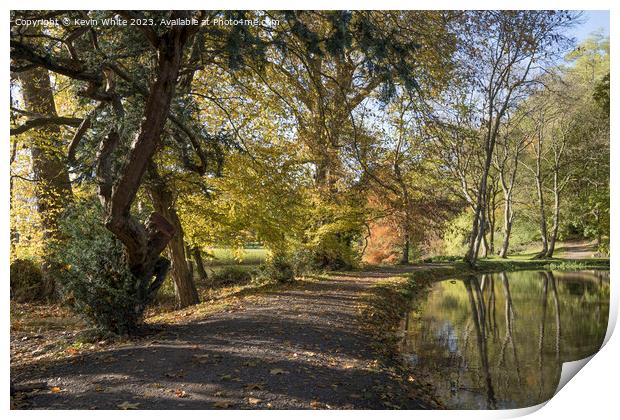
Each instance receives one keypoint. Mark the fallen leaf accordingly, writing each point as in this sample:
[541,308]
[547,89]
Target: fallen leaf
[222,404]
[225,377]
[180,393]
[278,371]
[55,389]
[254,401]
[126,405]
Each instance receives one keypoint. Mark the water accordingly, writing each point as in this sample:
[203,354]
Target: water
[499,340]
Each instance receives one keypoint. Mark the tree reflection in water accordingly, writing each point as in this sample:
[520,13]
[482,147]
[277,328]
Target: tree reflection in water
[475,359]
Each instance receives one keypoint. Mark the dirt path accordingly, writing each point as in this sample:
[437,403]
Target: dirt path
[576,250]
[297,348]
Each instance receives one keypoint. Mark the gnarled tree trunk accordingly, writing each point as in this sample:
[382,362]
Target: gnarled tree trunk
[144,243]
[163,203]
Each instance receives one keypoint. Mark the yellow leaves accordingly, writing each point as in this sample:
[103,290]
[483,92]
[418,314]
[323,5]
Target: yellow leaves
[254,401]
[126,405]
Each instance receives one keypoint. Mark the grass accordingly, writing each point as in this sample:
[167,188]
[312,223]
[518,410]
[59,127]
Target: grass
[226,256]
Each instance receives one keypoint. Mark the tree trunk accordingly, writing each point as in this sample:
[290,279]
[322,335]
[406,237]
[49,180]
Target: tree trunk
[184,287]
[478,226]
[541,204]
[190,264]
[200,267]
[508,218]
[491,219]
[485,246]
[143,243]
[52,185]
[543,222]
[406,245]
[556,216]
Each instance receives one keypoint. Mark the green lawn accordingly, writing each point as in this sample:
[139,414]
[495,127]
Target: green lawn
[225,256]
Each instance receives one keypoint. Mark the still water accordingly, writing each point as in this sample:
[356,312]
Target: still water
[499,340]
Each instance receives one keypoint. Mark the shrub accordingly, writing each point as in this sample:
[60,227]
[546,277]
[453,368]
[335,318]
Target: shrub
[231,275]
[277,269]
[26,281]
[95,278]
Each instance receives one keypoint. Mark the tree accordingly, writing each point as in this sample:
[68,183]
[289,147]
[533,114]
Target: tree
[163,203]
[118,182]
[570,135]
[505,48]
[46,146]
[506,161]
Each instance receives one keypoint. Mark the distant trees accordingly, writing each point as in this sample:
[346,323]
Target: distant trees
[569,134]
[505,52]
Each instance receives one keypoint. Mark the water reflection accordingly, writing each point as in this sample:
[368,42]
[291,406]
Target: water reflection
[499,340]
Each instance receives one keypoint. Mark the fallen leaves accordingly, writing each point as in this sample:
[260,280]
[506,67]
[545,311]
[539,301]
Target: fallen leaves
[255,387]
[126,405]
[201,358]
[278,371]
[55,389]
[222,404]
[180,393]
[254,401]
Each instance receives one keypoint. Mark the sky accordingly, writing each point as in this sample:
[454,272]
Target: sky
[593,20]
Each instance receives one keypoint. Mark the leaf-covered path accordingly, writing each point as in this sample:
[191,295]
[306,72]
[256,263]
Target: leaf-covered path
[298,347]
